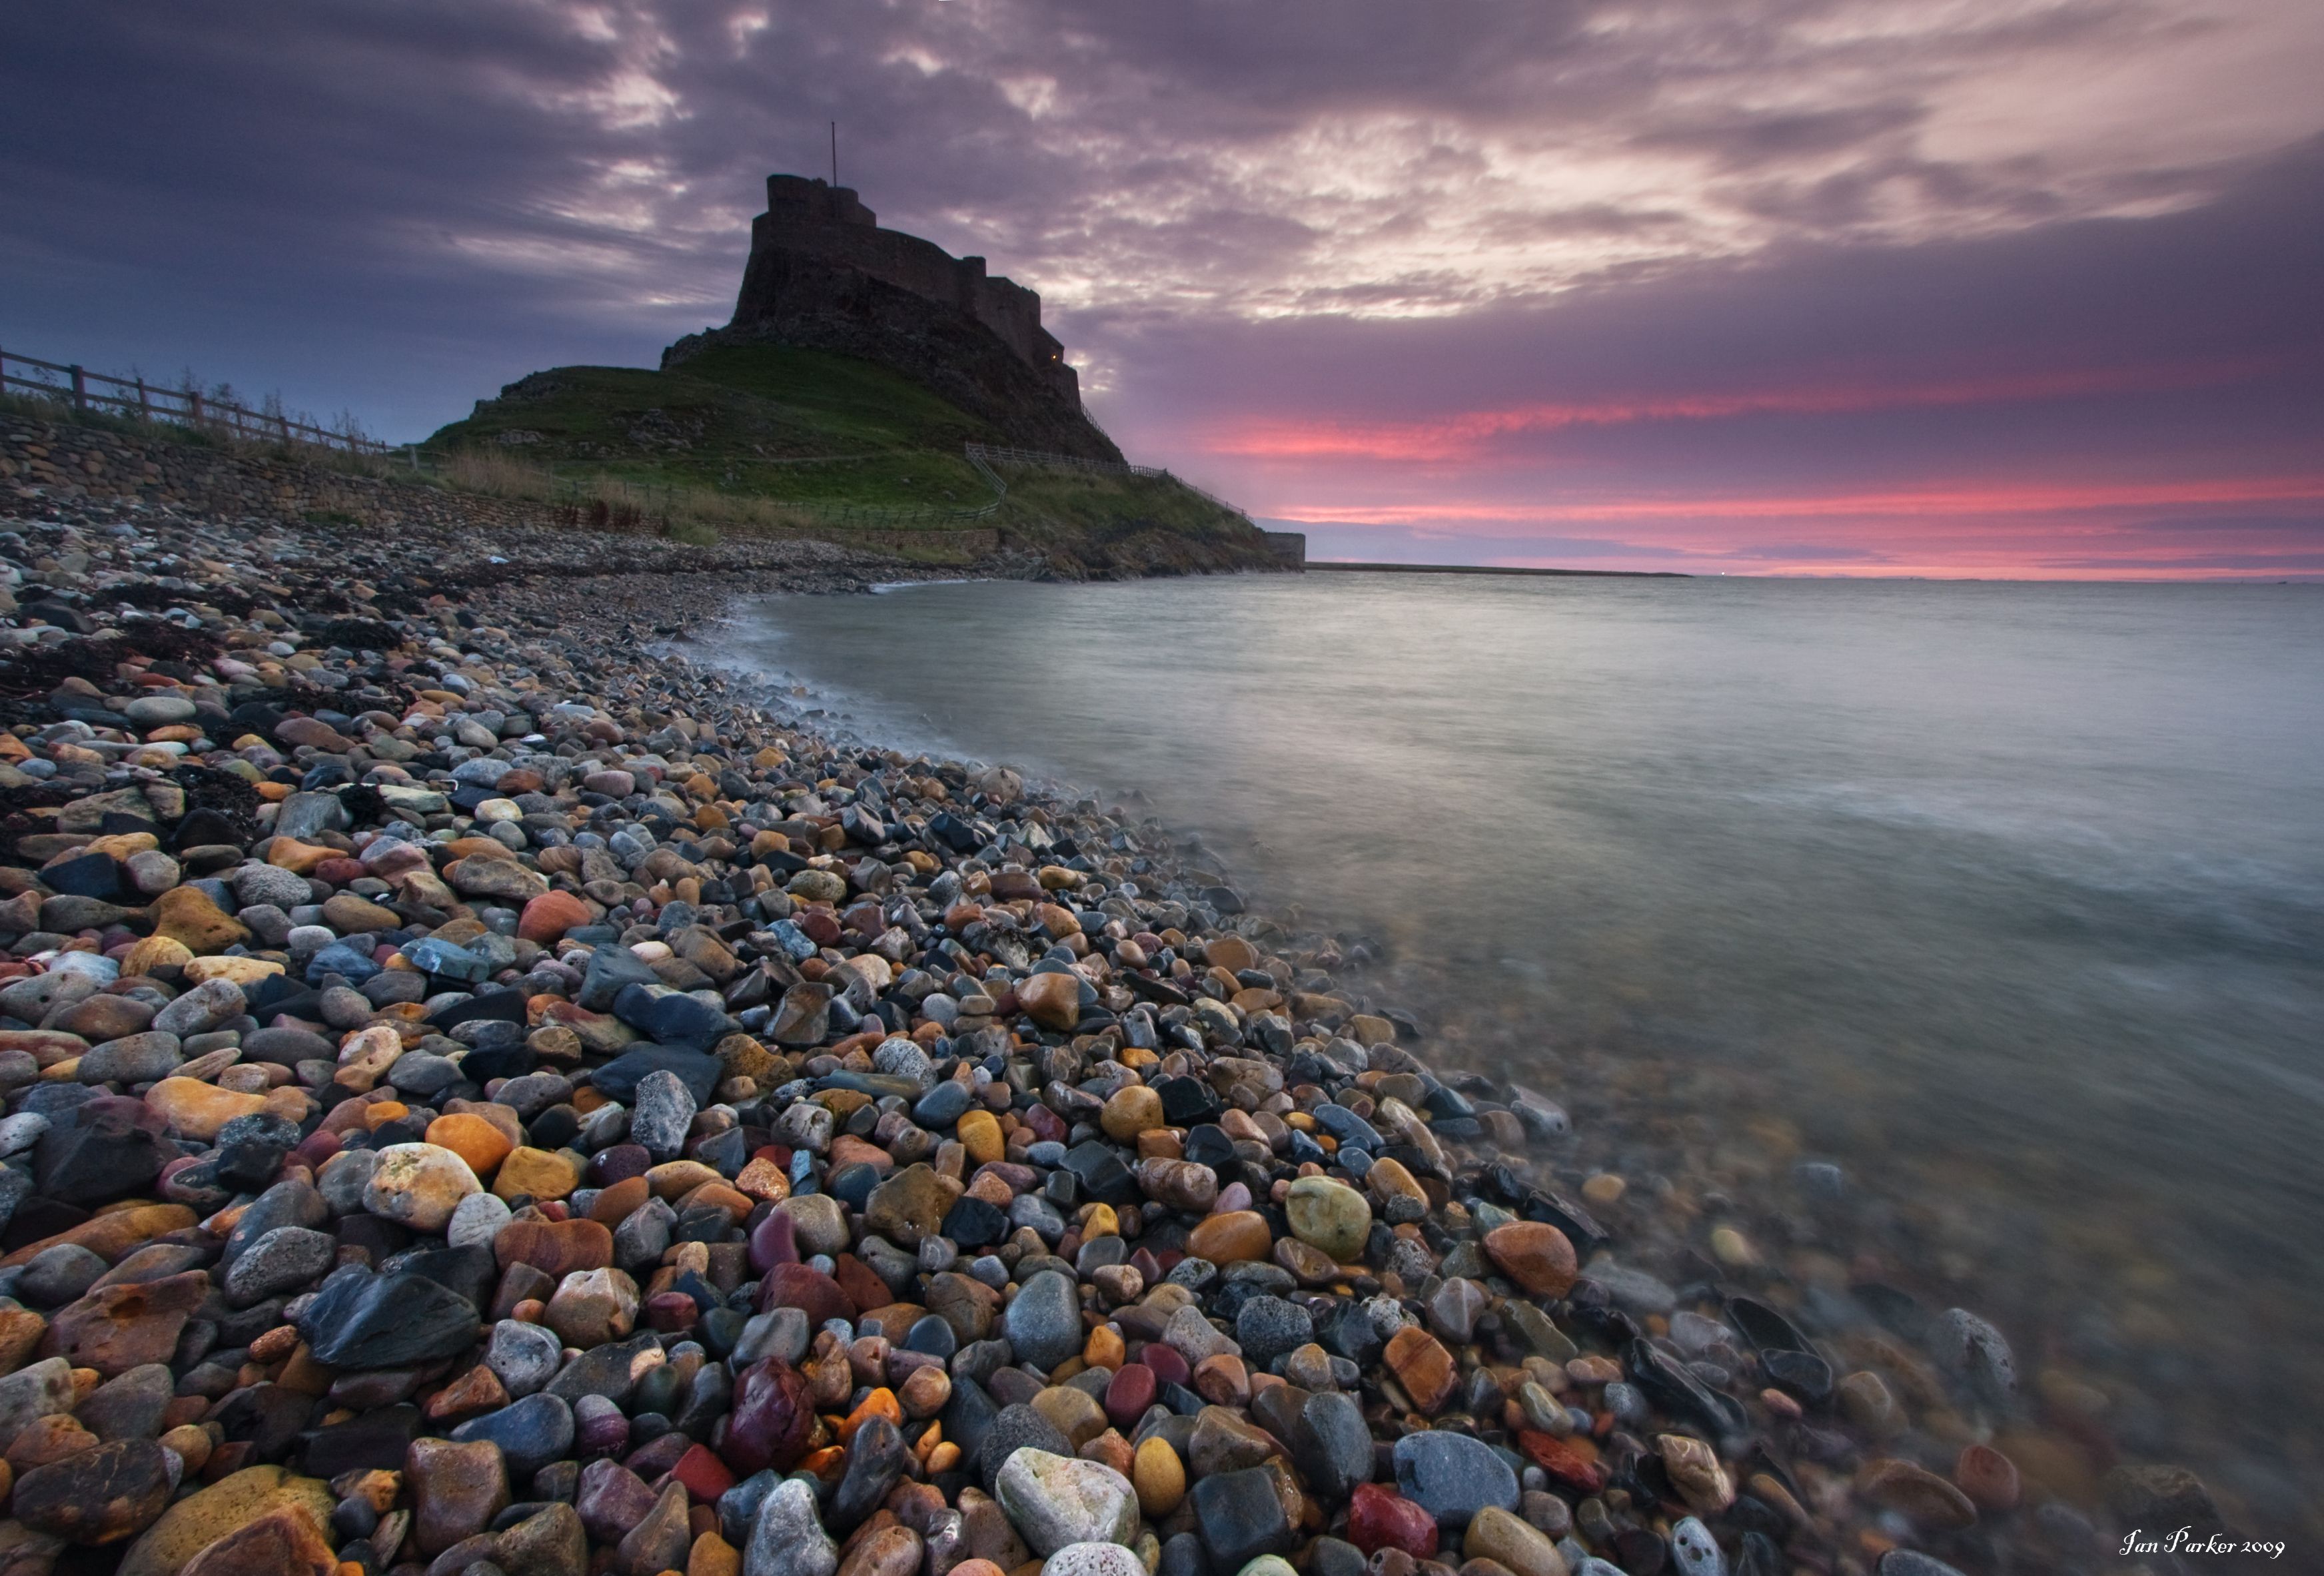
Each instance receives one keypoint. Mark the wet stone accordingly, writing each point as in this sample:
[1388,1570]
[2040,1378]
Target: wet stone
[360,1320]
[1044,1323]
[98,1496]
[1054,1501]
[531,1433]
[1453,1476]
[1241,1517]
[1269,1327]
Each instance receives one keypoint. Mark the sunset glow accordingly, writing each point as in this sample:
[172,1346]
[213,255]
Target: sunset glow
[1471,435]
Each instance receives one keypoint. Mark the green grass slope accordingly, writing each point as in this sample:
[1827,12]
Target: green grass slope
[847,446]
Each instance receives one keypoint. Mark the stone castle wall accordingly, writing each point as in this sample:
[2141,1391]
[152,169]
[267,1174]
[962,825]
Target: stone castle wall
[824,276]
[808,219]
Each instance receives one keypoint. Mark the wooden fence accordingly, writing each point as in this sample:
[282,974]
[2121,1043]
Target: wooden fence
[187,407]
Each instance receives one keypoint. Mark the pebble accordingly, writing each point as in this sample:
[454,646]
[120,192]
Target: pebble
[1495,1534]
[1329,1216]
[419,1186]
[1159,1478]
[1044,1323]
[1241,1516]
[787,1538]
[1054,1501]
[1453,1476]
[1099,1559]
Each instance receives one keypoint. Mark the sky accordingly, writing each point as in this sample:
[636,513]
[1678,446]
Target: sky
[2017,288]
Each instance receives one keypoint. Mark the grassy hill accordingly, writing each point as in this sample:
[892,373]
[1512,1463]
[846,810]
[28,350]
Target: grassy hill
[772,438]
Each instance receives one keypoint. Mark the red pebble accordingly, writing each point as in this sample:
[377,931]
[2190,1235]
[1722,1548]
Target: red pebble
[671,1312]
[795,1286]
[618,1162]
[772,1420]
[705,1477]
[1168,1365]
[1378,1518]
[1562,1462]
[774,1241]
[1130,1394]
[864,1288]
[1988,1476]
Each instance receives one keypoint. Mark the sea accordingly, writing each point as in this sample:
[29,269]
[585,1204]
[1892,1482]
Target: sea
[2005,899]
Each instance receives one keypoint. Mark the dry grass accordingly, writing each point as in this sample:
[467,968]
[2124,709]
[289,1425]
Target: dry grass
[610,503]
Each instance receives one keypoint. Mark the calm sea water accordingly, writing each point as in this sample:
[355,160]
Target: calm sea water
[2009,899]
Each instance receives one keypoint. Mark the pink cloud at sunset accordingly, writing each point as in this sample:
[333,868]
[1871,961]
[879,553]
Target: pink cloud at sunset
[1471,435]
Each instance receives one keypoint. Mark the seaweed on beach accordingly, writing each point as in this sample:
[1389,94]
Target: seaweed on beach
[36,671]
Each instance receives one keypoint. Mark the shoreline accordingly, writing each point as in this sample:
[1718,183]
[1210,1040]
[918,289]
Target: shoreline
[1383,1348]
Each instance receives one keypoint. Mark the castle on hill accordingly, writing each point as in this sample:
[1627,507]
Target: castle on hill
[822,275]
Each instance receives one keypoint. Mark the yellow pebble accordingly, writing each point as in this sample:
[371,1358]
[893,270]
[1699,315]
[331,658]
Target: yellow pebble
[1159,1478]
[979,1132]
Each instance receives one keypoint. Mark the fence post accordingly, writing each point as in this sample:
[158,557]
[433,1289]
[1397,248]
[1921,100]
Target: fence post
[145,401]
[194,400]
[81,389]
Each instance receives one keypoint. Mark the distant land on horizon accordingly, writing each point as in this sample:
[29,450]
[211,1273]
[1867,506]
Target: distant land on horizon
[1345,565]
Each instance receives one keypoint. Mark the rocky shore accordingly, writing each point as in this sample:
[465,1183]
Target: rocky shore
[484,1097]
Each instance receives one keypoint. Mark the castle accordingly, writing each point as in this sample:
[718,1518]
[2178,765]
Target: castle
[822,275]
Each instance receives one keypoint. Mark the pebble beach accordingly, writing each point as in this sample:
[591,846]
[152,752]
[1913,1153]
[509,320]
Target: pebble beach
[485,1094]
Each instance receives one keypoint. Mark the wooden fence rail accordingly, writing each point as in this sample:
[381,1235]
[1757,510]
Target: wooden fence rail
[185,407]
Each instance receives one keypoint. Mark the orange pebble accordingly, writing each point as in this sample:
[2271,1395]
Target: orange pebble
[713,1555]
[386,1110]
[1104,1348]
[880,1403]
[474,1140]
